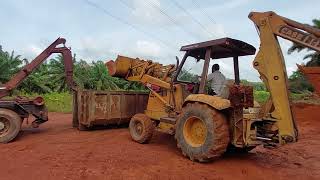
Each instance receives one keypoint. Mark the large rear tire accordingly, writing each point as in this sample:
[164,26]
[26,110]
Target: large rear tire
[202,133]
[10,125]
[141,128]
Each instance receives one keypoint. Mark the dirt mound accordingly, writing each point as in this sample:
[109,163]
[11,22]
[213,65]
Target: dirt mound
[57,151]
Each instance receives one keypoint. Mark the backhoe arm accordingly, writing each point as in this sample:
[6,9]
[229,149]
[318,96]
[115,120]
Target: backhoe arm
[270,64]
[16,80]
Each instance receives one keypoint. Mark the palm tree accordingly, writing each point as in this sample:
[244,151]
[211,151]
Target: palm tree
[38,81]
[100,77]
[57,73]
[314,56]
[9,65]
[58,76]
[81,74]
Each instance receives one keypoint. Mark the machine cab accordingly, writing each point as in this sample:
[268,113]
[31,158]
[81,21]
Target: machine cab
[201,54]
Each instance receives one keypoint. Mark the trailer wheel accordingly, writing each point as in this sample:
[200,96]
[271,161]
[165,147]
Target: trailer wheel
[75,119]
[141,128]
[202,133]
[82,127]
[10,125]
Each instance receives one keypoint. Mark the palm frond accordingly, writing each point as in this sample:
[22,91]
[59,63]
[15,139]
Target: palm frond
[295,47]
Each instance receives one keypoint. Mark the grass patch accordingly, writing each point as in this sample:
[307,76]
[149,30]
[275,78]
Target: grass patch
[262,96]
[58,102]
[55,102]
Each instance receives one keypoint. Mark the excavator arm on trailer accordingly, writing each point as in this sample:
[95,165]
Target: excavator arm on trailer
[16,80]
[12,112]
[270,64]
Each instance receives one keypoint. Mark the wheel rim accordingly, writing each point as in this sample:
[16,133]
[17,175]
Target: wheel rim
[195,131]
[138,127]
[4,126]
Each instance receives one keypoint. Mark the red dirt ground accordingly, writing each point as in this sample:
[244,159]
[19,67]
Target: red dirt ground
[57,151]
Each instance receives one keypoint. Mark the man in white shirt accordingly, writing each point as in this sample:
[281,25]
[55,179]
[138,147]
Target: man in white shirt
[218,80]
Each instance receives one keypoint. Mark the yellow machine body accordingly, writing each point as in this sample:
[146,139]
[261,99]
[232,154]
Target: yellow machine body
[270,125]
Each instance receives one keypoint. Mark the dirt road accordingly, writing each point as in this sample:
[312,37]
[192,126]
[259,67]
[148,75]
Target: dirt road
[57,151]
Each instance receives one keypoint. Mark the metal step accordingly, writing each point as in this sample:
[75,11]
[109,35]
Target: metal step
[169,120]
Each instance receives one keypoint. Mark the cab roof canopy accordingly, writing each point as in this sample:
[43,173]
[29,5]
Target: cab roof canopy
[220,48]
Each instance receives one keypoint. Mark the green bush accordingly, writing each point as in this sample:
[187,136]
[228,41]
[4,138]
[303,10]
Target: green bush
[261,96]
[257,86]
[58,102]
[298,84]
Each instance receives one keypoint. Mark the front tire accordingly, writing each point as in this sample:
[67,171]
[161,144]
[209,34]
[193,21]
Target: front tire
[202,133]
[10,125]
[141,128]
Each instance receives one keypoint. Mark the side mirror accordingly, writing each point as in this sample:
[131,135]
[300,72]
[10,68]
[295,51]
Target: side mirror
[178,61]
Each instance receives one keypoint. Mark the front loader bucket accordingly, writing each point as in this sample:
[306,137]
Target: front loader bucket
[313,75]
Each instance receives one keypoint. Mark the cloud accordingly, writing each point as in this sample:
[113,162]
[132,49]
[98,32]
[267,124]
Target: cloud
[147,48]
[35,49]
[95,36]
[217,30]
[147,12]
[233,4]
[91,48]
[226,6]
[31,51]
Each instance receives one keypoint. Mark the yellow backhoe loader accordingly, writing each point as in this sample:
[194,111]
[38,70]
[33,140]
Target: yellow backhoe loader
[205,126]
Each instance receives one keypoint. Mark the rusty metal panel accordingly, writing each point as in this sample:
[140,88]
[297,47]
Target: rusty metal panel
[108,107]
[313,75]
[240,95]
[114,106]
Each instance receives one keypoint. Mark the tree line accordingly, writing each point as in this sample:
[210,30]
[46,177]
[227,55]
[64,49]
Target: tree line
[50,76]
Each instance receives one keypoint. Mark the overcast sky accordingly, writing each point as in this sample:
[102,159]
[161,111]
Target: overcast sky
[153,29]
